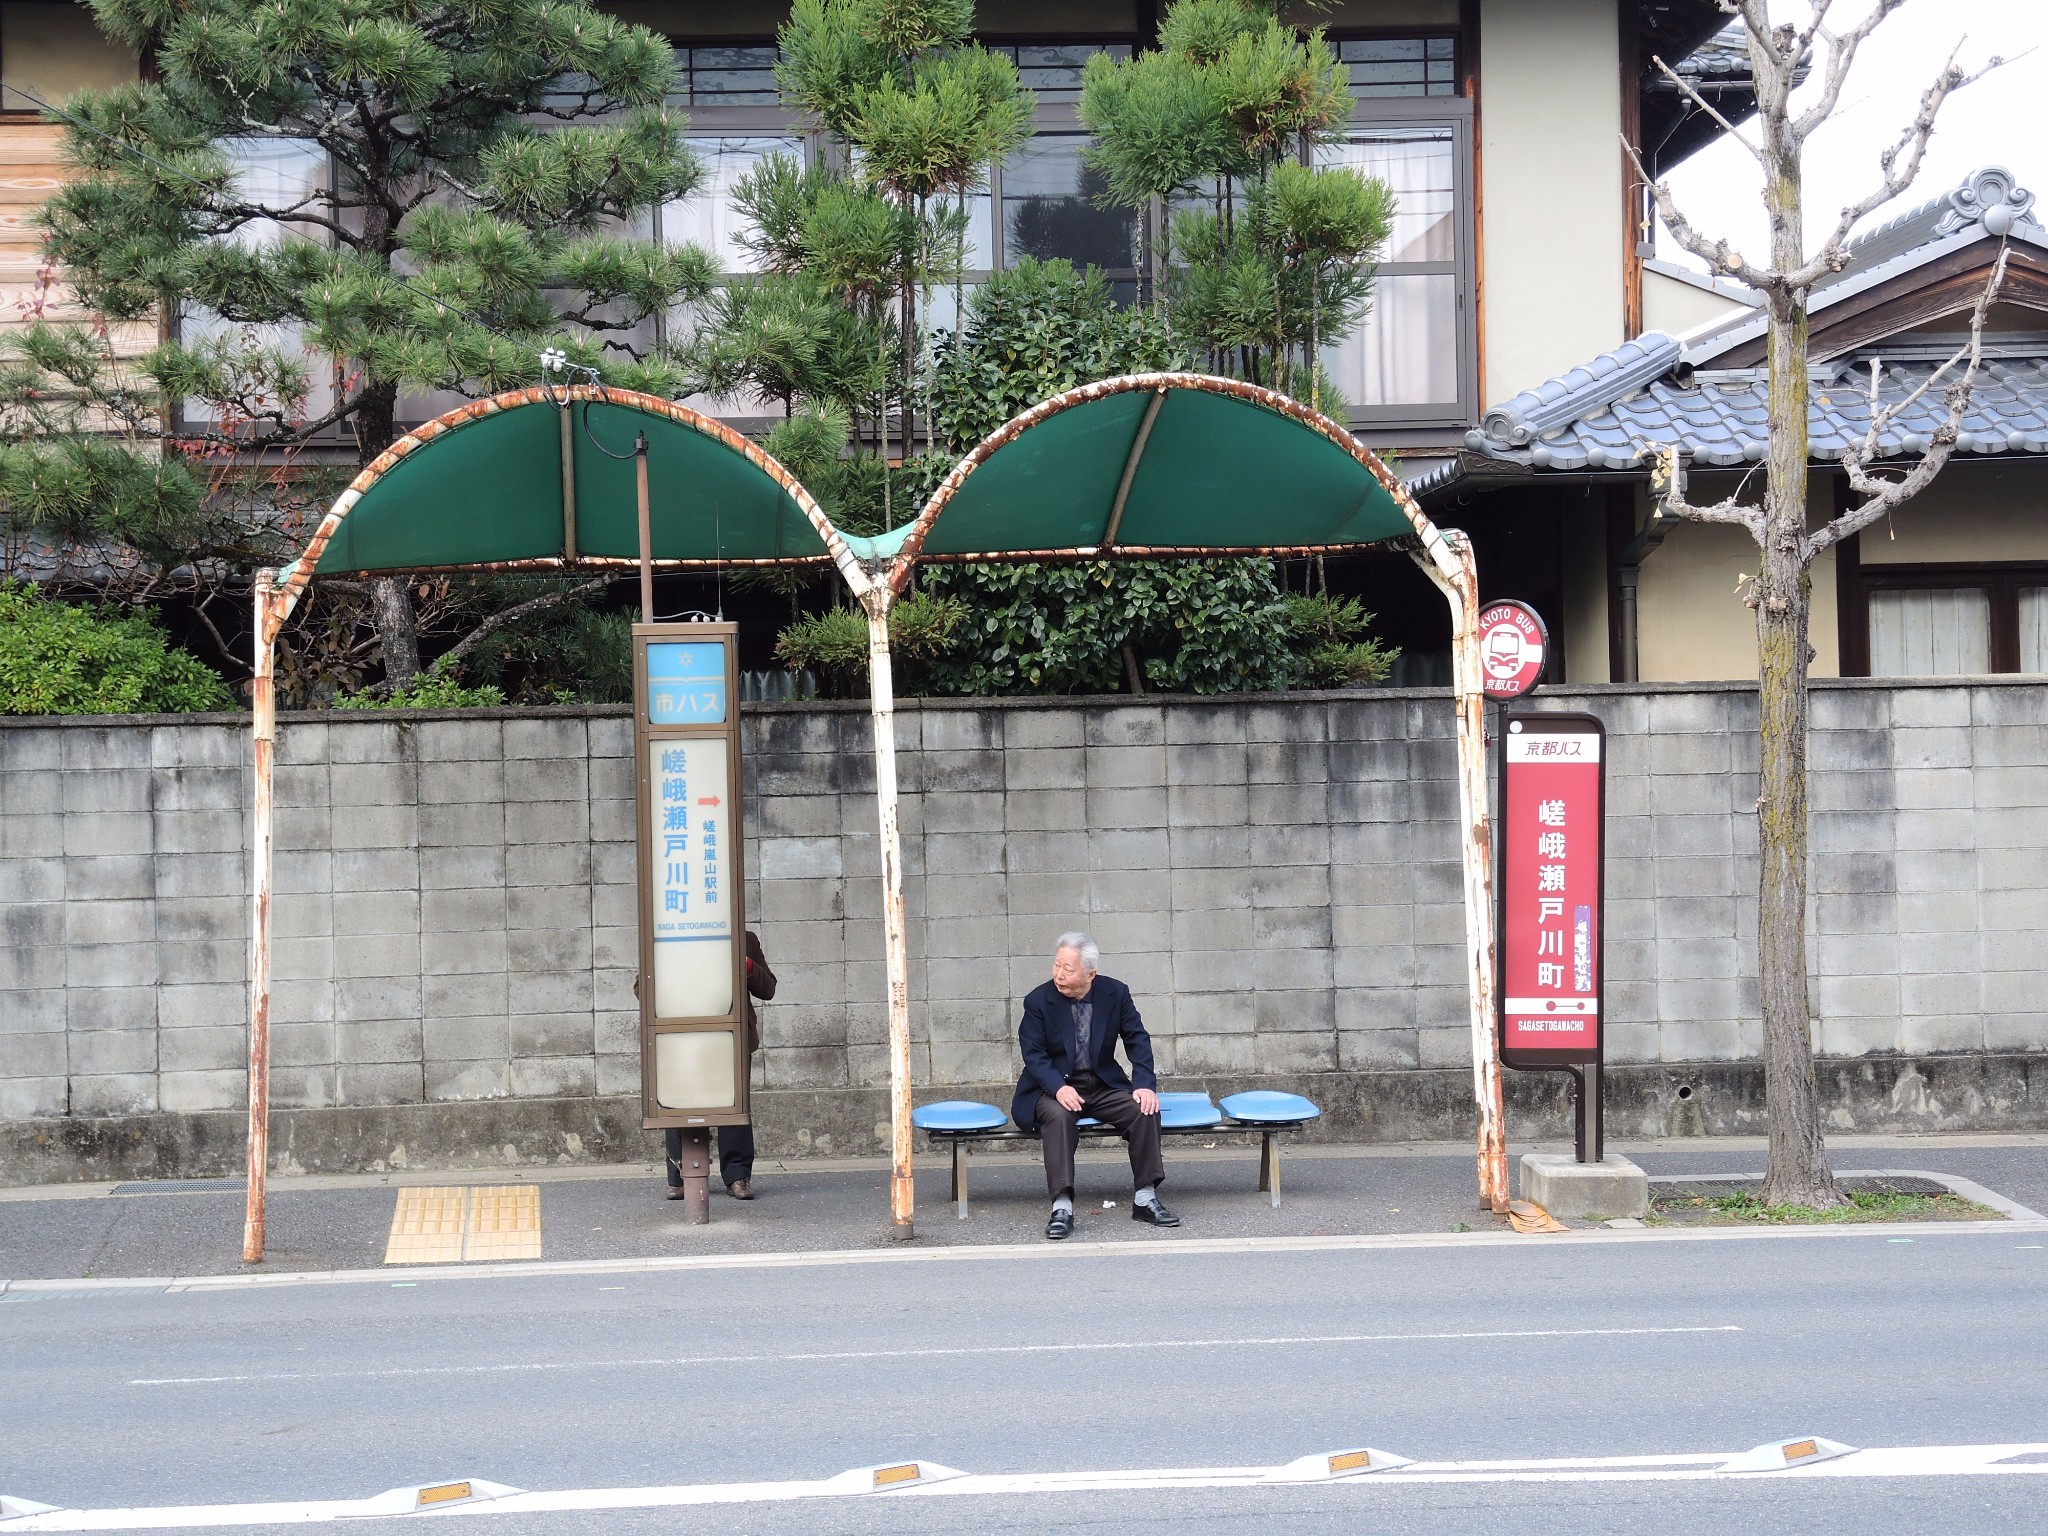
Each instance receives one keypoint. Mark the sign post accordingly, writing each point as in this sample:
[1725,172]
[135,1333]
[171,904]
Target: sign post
[1552,909]
[692,981]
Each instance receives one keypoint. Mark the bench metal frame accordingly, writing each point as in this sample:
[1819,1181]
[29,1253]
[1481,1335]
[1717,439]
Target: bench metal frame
[1269,1148]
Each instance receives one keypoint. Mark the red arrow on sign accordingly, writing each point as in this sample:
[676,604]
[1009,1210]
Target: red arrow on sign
[707,800]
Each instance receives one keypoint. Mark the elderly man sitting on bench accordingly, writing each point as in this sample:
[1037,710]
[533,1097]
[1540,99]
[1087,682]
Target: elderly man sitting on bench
[1068,1036]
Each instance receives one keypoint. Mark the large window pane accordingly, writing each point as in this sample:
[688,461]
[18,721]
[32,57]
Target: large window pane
[1419,167]
[1930,632]
[723,75]
[281,174]
[1401,66]
[2034,629]
[1406,351]
[981,230]
[1049,208]
[1052,71]
[707,216]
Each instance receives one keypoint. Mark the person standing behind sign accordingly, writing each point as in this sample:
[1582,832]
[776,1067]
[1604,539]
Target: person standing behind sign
[735,1142]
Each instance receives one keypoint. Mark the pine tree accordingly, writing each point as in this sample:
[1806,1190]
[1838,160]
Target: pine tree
[1280,262]
[920,114]
[486,165]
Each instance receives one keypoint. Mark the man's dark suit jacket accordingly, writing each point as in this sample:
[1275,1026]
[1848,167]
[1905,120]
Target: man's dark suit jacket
[1046,1037]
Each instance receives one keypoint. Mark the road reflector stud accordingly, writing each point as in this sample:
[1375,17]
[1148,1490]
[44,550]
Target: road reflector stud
[424,1498]
[1782,1455]
[1354,1462]
[891,1477]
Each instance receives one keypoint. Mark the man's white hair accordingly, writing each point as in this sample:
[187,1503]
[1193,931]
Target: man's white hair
[1082,944]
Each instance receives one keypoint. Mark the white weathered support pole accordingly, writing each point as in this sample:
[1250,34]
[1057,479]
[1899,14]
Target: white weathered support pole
[263,709]
[1447,557]
[877,601]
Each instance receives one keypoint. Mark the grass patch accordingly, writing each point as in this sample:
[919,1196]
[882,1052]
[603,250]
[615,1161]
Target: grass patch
[1748,1209]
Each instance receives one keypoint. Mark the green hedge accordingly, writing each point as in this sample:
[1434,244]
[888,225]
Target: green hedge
[63,659]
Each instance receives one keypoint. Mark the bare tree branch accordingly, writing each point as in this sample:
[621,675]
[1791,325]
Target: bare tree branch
[1692,93]
[1885,495]
[1841,58]
[525,610]
[1667,485]
[1718,254]
[1898,174]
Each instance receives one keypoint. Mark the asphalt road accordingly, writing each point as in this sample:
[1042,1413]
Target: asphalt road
[1005,1364]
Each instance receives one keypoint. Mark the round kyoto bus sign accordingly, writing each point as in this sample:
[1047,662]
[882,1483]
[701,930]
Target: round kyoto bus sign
[1512,646]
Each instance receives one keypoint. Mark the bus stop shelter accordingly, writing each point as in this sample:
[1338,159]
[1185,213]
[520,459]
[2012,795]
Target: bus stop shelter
[578,480]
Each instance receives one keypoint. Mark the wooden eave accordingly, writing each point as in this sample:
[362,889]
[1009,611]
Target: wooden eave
[1948,285]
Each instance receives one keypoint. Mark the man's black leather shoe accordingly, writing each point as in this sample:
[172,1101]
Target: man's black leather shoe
[1156,1213]
[1061,1225]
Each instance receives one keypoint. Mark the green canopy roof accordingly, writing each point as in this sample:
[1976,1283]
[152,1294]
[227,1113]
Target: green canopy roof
[1162,463]
[1148,464]
[483,486]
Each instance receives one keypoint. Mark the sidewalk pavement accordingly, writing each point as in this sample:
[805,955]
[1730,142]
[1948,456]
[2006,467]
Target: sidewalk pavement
[343,1222]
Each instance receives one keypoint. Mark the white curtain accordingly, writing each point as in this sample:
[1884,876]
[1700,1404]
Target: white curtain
[2034,629]
[1930,632]
[707,217]
[1405,352]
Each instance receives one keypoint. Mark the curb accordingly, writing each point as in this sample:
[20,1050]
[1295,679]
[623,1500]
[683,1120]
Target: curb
[2029,1224]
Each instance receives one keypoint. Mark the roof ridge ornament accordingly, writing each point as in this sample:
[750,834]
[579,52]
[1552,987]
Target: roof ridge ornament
[1991,197]
[1616,373]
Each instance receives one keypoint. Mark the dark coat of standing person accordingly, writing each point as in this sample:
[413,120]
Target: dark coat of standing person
[1068,1037]
[735,1142]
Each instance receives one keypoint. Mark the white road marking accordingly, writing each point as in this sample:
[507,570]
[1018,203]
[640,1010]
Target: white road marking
[814,1356]
[1897,1461]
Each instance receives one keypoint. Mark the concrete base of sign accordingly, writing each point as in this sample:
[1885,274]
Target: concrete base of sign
[1564,1187]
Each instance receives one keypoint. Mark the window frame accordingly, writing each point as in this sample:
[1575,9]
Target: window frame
[2000,580]
[1452,111]
[336,434]
[1455,113]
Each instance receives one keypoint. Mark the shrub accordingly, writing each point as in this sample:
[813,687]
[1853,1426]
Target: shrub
[438,689]
[922,629]
[64,659]
[1330,650]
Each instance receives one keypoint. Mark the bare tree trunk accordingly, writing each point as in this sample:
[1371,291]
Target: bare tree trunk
[1798,1171]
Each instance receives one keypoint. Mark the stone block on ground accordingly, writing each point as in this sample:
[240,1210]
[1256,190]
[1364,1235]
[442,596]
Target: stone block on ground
[1566,1187]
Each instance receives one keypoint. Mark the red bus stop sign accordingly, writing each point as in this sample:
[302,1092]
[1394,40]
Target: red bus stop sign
[1552,890]
[1513,645]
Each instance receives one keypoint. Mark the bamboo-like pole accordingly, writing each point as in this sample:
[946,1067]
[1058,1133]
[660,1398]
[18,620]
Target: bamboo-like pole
[1447,557]
[263,702]
[878,600]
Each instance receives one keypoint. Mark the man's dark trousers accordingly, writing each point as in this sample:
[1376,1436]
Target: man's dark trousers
[735,1154]
[1059,1130]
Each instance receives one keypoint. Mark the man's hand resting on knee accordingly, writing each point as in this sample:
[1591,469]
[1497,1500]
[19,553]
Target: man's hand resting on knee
[1148,1101]
[1068,1099]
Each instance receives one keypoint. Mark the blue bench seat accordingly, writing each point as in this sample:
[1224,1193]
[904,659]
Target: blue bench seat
[1264,1113]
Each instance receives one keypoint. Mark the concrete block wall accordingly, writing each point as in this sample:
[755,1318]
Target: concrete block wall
[1275,877]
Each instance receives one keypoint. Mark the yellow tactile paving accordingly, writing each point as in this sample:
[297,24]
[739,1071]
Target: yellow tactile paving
[504,1222]
[451,1225]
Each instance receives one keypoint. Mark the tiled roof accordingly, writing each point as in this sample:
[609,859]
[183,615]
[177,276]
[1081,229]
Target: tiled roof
[1656,392]
[1722,60]
[1723,418]
[1989,205]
